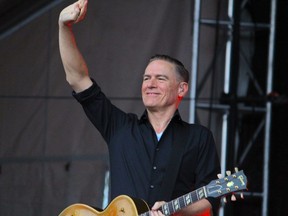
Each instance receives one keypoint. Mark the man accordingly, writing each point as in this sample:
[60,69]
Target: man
[158,157]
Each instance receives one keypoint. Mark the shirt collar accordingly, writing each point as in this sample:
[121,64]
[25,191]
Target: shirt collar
[176,116]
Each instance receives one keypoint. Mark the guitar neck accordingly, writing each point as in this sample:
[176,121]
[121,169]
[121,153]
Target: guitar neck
[181,202]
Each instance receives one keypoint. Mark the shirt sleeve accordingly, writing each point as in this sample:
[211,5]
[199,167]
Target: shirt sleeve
[88,94]
[106,117]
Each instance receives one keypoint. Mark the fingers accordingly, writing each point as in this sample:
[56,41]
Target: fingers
[156,213]
[81,8]
[155,209]
[74,13]
[157,205]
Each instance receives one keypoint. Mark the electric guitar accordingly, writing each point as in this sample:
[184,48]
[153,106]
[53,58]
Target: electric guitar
[126,206]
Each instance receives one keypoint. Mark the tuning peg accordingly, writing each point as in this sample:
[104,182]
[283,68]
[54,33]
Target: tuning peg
[219,175]
[236,169]
[233,197]
[228,172]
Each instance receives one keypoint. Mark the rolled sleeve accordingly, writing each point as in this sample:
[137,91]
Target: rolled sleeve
[87,94]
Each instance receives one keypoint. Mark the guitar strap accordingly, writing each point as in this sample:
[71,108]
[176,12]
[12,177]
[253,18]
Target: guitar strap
[180,139]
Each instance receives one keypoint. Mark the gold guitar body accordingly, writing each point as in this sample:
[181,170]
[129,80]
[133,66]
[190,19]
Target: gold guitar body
[120,206]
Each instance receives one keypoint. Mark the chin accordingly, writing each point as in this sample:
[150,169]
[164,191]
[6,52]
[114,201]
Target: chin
[150,106]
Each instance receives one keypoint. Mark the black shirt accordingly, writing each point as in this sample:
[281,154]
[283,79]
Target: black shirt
[139,162]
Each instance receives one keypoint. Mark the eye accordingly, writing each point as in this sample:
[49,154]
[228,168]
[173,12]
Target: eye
[146,78]
[162,78]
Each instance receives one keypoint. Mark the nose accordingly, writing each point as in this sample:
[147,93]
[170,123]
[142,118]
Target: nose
[151,83]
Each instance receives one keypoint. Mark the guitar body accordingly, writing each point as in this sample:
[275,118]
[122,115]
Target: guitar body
[120,206]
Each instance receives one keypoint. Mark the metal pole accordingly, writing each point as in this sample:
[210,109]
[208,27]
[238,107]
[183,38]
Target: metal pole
[226,91]
[194,63]
[268,110]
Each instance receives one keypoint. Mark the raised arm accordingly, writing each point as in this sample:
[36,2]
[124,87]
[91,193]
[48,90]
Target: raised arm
[74,64]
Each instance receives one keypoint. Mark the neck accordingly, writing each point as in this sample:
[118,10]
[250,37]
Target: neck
[160,120]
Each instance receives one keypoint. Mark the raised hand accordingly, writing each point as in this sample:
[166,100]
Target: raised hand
[74,13]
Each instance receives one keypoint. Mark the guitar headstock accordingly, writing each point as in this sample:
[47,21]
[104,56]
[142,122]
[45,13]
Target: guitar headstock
[227,185]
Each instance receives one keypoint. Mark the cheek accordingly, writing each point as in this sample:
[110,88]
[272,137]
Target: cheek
[143,88]
[173,93]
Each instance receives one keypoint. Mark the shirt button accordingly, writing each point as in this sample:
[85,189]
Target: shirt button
[151,186]
[157,149]
[154,167]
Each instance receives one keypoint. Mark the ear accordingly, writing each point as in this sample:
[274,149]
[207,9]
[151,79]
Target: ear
[183,89]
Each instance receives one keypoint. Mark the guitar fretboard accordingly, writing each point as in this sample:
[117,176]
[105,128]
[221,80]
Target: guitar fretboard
[181,202]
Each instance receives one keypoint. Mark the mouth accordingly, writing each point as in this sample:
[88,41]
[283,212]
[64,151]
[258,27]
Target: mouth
[152,93]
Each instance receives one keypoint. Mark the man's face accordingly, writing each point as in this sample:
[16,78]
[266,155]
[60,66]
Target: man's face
[160,86]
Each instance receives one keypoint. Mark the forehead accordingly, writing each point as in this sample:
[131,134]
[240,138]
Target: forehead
[160,67]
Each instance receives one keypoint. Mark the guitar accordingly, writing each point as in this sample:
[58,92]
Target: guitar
[126,206]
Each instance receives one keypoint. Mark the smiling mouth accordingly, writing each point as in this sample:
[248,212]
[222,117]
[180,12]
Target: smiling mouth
[152,93]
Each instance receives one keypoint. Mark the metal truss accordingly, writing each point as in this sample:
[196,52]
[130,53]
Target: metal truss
[231,105]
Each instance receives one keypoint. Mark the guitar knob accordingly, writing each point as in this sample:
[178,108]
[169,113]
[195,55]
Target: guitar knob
[219,175]
[228,172]
[236,169]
